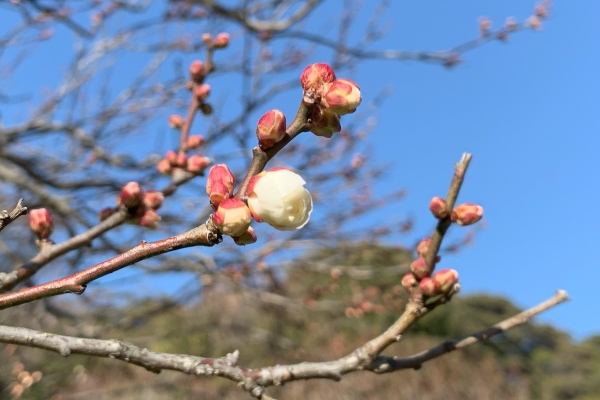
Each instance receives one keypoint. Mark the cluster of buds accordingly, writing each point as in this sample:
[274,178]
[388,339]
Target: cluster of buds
[333,98]
[196,164]
[463,214]
[219,42]
[40,222]
[141,206]
[421,275]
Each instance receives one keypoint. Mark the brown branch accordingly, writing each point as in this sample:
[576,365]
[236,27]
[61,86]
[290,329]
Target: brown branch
[255,380]
[204,235]
[8,217]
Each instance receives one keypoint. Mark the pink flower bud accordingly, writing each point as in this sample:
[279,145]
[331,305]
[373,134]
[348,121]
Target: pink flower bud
[429,287]
[446,279]
[246,238]
[153,199]
[324,123]
[534,22]
[181,160]
[164,166]
[510,24]
[485,24]
[171,156]
[105,213]
[221,41]
[206,38]
[197,70]
[343,97]
[270,128]
[232,217]
[316,75]
[408,281]
[220,174]
[40,222]
[439,207]
[194,142]
[131,195]
[176,121]
[467,214]
[202,92]
[419,268]
[423,246]
[541,10]
[150,219]
[197,164]
[218,194]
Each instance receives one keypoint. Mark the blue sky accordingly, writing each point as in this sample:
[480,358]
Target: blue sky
[526,109]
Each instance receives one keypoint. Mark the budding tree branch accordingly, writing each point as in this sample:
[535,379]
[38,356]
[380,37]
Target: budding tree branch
[8,217]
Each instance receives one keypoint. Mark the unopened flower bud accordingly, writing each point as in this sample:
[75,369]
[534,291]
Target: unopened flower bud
[202,92]
[324,122]
[446,279]
[176,121]
[105,213]
[423,246]
[343,97]
[220,173]
[221,41]
[40,222]
[197,70]
[150,219]
[246,238]
[232,217]
[408,281]
[439,207]
[429,287]
[207,38]
[206,109]
[485,24]
[467,214]
[510,24]
[171,156]
[181,160]
[534,23]
[131,195]
[197,164]
[218,194]
[153,199]
[270,128]
[164,166]
[541,10]
[194,142]
[316,75]
[419,268]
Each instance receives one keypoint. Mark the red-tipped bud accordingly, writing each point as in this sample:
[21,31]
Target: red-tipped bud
[171,156]
[181,160]
[218,194]
[150,219]
[534,22]
[270,128]
[467,214]
[176,121]
[408,281]
[324,123]
[153,199]
[164,166]
[221,41]
[202,92]
[40,222]
[510,24]
[194,142]
[247,238]
[419,268]
[197,70]
[316,75]
[197,164]
[343,97]
[485,24]
[423,246]
[439,207]
[131,195]
[429,287]
[220,174]
[446,279]
[232,217]
[105,213]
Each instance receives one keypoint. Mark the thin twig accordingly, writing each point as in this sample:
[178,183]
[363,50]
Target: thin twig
[8,217]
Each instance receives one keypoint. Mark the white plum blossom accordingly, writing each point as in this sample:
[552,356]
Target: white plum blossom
[278,197]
